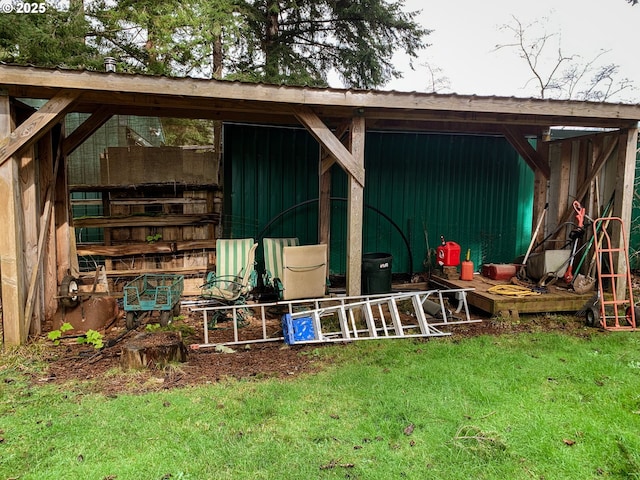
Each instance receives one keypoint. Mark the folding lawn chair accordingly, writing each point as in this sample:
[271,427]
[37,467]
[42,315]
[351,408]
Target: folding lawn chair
[235,274]
[273,261]
[304,271]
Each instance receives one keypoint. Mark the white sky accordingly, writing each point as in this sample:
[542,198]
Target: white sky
[465,33]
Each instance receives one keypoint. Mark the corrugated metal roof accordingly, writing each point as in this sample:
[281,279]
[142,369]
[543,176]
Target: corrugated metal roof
[452,95]
[195,97]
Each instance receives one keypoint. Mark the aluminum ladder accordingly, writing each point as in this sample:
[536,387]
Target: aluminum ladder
[349,318]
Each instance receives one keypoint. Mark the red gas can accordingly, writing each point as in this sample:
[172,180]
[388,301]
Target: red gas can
[448,254]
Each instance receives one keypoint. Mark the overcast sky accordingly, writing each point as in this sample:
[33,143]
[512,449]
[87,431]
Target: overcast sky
[466,32]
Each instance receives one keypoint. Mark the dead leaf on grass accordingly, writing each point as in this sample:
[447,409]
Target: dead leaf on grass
[409,429]
[335,463]
[568,441]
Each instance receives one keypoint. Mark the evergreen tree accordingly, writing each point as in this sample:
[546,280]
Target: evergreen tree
[295,42]
[54,38]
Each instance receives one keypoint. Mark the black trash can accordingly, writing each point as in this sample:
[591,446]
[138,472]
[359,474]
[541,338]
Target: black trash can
[376,273]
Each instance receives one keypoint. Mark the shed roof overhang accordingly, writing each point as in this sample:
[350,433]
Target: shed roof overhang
[122,93]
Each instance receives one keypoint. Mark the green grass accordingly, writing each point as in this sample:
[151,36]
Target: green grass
[527,406]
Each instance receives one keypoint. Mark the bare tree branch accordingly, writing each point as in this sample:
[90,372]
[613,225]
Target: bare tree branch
[565,76]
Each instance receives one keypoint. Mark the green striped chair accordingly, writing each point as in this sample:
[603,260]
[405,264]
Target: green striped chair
[273,264]
[235,274]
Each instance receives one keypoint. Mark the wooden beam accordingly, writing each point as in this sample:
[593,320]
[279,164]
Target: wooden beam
[36,82]
[86,129]
[330,142]
[327,161]
[37,124]
[63,230]
[146,220]
[46,177]
[540,188]
[324,209]
[355,209]
[32,233]
[12,265]
[324,204]
[526,151]
[605,154]
[623,200]
[145,248]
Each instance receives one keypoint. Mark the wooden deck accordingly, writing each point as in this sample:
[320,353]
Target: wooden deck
[556,300]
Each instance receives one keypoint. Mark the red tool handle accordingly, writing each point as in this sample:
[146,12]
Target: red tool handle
[580,213]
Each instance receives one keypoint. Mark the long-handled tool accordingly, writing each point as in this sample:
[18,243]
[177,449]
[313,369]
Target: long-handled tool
[521,272]
[576,235]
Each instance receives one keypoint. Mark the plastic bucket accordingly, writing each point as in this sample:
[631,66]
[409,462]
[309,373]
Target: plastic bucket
[376,273]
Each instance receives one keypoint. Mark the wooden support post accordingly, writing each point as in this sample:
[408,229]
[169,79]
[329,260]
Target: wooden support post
[12,266]
[42,236]
[31,217]
[623,200]
[355,209]
[540,186]
[46,171]
[562,194]
[62,218]
[324,208]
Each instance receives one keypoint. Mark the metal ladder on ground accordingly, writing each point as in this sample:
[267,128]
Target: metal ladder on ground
[342,318]
[377,318]
[617,310]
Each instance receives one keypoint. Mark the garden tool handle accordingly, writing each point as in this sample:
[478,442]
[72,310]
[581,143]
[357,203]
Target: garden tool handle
[580,213]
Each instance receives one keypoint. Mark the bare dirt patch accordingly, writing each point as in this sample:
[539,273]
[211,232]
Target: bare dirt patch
[71,362]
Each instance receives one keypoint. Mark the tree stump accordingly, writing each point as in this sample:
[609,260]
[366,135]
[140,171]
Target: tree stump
[153,350]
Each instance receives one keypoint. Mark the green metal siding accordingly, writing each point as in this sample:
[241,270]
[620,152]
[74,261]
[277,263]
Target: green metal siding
[267,171]
[474,190]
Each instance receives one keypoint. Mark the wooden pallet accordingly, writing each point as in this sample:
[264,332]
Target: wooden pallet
[556,300]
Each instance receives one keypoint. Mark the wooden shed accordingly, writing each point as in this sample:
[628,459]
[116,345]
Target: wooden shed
[34,200]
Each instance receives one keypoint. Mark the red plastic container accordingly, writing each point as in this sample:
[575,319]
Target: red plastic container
[448,254]
[501,271]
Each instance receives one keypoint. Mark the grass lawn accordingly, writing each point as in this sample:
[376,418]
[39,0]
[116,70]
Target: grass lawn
[525,406]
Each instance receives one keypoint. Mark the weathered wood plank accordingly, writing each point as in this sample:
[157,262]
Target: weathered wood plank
[32,246]
[145,248]
[526,151]
[142,271]
[146,221]
[127,86]
[45,170]
[328,140]
[557,300]
[12,263]
[623,201]
[582,190]
[355,210]
[86,129]
[37,124]
[159,201]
